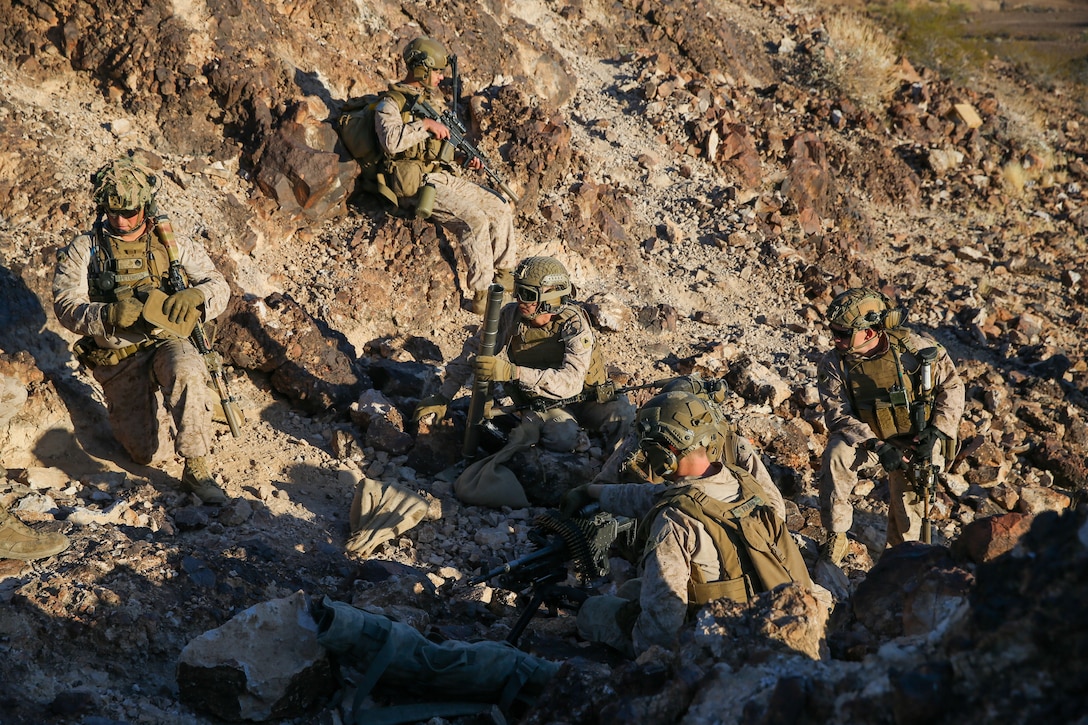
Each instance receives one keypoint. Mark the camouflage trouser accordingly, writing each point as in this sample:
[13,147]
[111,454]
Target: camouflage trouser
[839,475]
[611,420]
[484,223]
[178,370]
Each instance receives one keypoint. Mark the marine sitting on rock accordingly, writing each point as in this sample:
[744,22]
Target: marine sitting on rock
[546,355]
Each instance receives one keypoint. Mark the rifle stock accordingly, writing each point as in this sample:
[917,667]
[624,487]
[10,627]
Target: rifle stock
[480,388]
[459,140]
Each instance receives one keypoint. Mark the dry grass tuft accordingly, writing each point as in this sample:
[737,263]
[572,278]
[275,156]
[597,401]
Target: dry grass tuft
[861,61]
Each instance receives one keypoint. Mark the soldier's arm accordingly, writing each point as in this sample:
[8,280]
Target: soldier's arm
[394,135]
[633,500]
[665,575]
[568,379]
[951,396]
[839,414]
[204,276]
[71,296]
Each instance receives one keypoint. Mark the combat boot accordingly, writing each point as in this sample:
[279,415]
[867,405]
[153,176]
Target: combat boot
[19,541]
[479,302]
[505,277]
[836,548]
[198,480]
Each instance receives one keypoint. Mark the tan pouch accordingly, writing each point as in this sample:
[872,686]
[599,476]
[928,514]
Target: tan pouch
[406,178]
[157,318]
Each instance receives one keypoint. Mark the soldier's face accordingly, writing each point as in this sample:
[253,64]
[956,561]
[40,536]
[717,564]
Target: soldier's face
[125,221]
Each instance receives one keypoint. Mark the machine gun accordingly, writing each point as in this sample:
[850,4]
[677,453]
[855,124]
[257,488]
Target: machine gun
[459,141]
[580,543]
[177,281]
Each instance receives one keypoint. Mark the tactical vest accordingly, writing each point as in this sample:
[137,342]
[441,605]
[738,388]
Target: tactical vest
[882,389]
[754,547]
[402,174]
[118,268]
[541,348]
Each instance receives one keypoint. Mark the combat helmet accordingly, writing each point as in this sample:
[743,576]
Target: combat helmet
[672,425]
[124,184]
[543,280]
[424,55]
[863,308]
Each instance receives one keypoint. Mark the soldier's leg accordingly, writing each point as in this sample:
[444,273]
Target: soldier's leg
[181,374]
[130,402]
[484,223]
[904,509]
[612,420]
[602,619]
[838,476]
[559,431]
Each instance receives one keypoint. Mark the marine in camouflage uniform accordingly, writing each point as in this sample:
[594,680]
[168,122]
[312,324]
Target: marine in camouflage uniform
[869,384]
[628,464]
[416,157]
[547,354]
[102,281]
[688,559]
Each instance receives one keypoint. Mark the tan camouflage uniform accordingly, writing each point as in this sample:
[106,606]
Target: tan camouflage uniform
[483,221]
[677,540]
[573,329]
[845,456]
[173,366]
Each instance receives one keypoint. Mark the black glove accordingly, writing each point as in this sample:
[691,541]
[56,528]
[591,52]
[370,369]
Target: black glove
[926,441]
[890,457]
[575,500]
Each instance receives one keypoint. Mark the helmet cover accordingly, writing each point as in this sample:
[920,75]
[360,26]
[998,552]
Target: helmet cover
[543,280]
[860,308]
[124,184]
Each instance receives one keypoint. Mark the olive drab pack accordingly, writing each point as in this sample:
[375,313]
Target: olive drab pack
[755,548]
[355,125]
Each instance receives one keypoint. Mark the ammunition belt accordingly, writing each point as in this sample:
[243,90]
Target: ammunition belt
[92,356]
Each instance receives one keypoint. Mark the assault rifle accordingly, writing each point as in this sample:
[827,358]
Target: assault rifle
[581,543]
[177,281]
[924,471]
[459,141]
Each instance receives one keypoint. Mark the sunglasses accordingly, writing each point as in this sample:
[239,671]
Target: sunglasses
[526,294]
[841,334]
[123,213]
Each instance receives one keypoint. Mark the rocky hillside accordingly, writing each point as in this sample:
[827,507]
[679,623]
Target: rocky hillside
[711,172]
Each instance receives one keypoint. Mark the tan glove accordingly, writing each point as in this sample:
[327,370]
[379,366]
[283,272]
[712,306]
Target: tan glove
[431,404]
[491,368]
[180,306]
[123,313]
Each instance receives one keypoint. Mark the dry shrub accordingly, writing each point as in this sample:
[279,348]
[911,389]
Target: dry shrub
[861,62]
[1014,178]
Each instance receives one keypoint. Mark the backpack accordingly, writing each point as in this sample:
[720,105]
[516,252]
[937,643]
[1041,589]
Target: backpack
[453,678]
[355,125]
[754,545]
